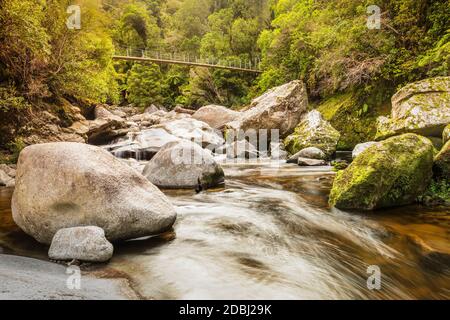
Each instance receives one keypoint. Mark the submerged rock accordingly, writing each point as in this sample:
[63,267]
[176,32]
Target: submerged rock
[313,131]
[392,173]
[279,108]
[63,185]
[442,162]
[216,116]
[360,148]
[184,165]
[421,107]
[81,243]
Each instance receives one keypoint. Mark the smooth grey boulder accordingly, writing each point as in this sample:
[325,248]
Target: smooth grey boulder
[280,108]
[277,151]
[360,148]
[63,185]
[81,243]
[309,153]
[184,165]
[305,162]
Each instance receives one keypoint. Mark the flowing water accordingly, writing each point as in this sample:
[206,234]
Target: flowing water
[269,234]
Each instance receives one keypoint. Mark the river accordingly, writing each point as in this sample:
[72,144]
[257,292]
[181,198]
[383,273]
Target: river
[269,234]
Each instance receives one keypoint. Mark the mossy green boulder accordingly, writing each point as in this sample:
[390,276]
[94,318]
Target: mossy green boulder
[392,173]
[313,131]
[442,162]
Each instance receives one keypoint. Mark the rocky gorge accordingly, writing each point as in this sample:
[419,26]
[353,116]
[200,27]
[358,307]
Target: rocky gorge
[94,187]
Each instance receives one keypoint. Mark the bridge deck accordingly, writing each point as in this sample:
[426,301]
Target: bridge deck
[186,63]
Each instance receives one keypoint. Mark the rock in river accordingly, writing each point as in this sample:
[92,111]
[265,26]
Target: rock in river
[216,116]
[279,108]
[313,131]
[63,185]
[360,148]
[184,165]
[392,173]
[81,243]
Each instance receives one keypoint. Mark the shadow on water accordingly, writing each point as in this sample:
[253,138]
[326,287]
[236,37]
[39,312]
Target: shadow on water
[269,234]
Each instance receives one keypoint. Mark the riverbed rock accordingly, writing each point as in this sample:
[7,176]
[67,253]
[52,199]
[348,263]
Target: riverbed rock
[6,180]
[184,165]
[306,162]
[421,107]
[361,147]
[393,173]
[446,134]
[63,185]
[81,243]
[25,278]
[193,130]
[310,153]
[279,108]
[442,162]
[216,116]
[101,112]
[313,131]
[151,109]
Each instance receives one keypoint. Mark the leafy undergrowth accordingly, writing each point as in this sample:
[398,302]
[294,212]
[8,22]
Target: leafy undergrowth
[437,193]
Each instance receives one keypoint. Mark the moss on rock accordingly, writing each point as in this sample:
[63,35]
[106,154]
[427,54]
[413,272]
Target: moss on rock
[313,131]
[392,173]
[353,117]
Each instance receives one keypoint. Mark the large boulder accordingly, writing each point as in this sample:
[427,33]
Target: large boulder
[63,185]
[184,165]
[392,173]
[279,108]
[442,162]
[422,107]
[216,116]
[313,131]
[81,243]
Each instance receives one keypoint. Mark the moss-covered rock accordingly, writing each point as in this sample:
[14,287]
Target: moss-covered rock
[442,162]
[355,118]
[313,131]
[392,173]
[446,134]
[421,107]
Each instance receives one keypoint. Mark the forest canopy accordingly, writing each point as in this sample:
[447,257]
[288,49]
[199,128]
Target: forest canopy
[325,43]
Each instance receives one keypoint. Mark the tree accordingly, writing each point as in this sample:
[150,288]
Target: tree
[144,85]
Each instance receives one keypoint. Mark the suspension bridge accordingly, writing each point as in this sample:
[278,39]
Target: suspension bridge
[143,55]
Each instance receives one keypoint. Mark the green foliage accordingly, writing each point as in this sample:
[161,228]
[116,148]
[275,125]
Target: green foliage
[144,85]
[10,100]
[327,44]
[437,193]
[15,147]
